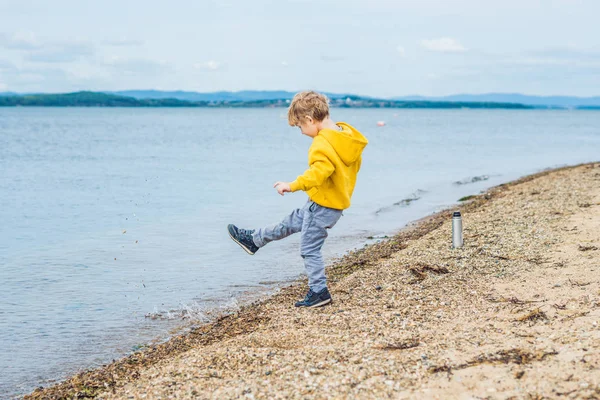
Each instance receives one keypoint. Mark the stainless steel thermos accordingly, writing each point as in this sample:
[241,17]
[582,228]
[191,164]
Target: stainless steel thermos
[457,236]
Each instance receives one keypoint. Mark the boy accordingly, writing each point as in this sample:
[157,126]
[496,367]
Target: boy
[334,159]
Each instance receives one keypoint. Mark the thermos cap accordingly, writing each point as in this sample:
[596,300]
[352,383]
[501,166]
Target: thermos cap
[456,214]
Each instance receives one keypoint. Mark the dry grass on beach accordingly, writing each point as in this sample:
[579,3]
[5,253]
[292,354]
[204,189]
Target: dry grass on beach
[515,313]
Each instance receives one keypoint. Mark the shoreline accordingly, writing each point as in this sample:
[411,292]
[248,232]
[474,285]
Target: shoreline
[257,315]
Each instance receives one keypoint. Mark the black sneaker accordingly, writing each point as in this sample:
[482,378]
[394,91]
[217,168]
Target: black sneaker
[243,237]
[313,299]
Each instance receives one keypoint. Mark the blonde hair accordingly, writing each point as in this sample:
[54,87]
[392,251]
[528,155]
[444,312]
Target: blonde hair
[313,104]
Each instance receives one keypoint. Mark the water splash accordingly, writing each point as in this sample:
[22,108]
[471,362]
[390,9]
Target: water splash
[193,311]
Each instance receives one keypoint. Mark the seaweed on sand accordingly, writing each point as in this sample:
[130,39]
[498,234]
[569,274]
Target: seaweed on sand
[514,356]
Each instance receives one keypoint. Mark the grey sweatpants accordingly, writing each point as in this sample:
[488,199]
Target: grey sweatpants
[313,221]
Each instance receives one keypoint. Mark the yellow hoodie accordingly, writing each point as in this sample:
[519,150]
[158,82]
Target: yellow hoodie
[334,159]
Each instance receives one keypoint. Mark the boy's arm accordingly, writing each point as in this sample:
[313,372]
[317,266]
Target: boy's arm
[320,169]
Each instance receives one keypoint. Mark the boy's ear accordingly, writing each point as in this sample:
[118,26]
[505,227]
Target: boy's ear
[309,119]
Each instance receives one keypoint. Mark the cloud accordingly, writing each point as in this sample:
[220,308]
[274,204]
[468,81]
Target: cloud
[540,61]
[6,65]
[571,53]
[22,40]
[285,63]
[401,51]
[99,75]
[209,65]
[35,50]
[62,52]
[331,58]
[123,42]
[566,57]
[543,63]
[443,45]
[137,66]
[33,79]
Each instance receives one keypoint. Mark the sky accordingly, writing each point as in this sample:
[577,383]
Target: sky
[380,48]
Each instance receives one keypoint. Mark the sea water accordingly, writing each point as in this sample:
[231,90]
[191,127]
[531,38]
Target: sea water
[113,221]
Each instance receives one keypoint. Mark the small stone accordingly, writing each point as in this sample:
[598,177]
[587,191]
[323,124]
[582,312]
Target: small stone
[519,374]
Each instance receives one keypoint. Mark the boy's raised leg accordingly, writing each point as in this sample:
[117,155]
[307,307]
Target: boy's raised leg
[288,226]
[252,240]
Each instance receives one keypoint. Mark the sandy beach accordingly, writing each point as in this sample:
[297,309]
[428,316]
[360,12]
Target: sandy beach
[514,313]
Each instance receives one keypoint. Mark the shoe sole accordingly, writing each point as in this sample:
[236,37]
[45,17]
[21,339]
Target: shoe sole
[321,303]
[241,245]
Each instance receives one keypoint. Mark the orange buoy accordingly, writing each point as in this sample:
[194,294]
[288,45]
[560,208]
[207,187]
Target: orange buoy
[380,123]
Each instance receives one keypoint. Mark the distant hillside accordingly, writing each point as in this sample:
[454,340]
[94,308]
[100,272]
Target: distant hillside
[245,95]
[540,101]
[90,99]
[97,99]
[214,96]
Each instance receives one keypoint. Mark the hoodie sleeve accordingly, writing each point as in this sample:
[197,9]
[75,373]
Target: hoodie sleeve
[320,167]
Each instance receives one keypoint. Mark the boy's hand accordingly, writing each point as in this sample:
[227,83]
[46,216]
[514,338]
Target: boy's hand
[282,187]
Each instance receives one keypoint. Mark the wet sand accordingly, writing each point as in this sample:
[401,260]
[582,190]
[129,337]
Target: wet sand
[514,313]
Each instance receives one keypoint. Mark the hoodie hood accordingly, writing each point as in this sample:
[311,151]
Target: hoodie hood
[348,143]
